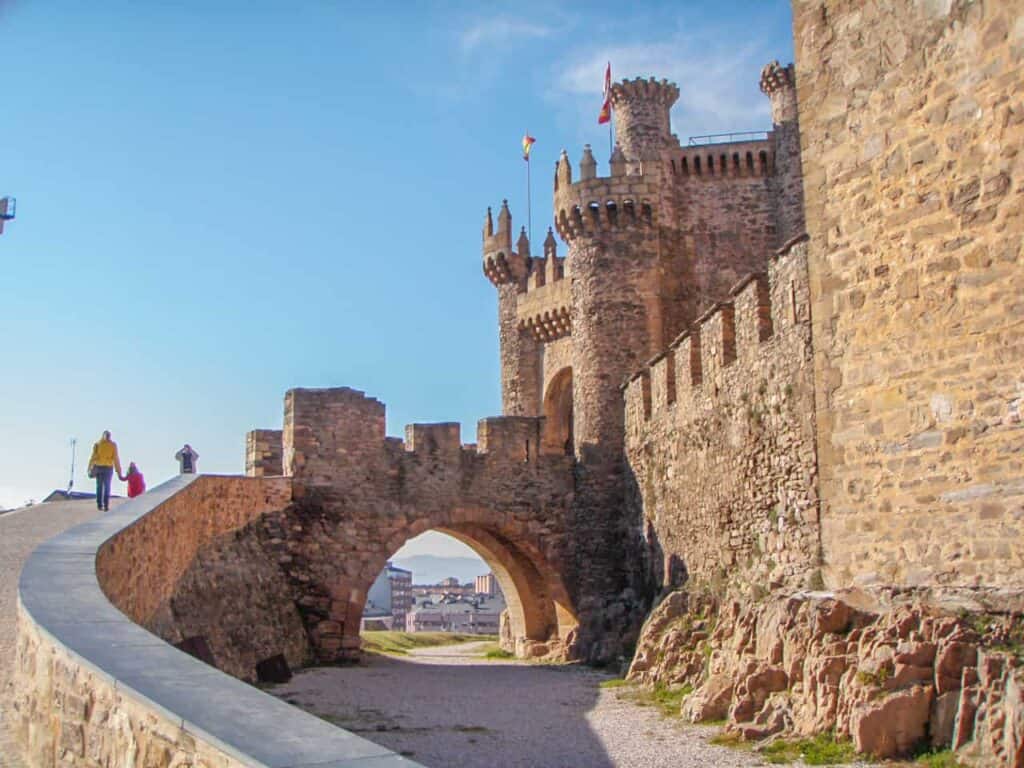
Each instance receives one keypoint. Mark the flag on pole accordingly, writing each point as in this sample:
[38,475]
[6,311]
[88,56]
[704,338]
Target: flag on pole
[605,114]
[527,144]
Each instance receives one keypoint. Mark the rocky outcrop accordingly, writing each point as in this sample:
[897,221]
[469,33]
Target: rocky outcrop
[891,671]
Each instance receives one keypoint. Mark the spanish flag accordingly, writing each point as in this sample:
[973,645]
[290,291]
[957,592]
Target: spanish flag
[527,143]
[606,108]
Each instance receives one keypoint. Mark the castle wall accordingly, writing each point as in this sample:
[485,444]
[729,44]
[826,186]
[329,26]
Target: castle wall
[914,184]
[729,224]
[720,439]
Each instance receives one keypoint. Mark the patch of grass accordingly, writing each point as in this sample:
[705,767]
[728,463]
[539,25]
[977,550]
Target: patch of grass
[615,682]
[821,750]
[497,652]
[876,679]
[400,643]
[666,698]
[731,740]
[942,759]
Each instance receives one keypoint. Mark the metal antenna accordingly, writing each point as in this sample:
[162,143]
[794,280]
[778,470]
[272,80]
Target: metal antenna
[71,480]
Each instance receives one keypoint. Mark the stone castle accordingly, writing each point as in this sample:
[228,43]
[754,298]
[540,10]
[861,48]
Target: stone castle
[762,424]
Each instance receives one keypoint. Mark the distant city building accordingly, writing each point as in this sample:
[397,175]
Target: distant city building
[487,585]
[450,612]
[389,599]
[451,581]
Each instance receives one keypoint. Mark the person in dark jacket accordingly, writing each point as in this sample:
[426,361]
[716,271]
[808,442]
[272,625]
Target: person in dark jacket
[187,459]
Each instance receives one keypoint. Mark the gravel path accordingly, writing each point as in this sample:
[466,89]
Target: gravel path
[450,707]
[20,532]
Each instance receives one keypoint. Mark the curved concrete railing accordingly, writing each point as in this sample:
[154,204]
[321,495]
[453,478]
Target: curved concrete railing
[94,688]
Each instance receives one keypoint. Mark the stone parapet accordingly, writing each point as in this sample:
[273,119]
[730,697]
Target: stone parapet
[93,688]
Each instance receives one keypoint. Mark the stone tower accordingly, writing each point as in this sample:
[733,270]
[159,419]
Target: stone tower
[622,253]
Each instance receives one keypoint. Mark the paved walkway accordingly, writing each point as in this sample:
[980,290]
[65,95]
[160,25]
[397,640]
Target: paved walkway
[449,706]
[20,532]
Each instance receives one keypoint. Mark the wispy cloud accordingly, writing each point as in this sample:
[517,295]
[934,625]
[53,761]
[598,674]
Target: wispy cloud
[500,31]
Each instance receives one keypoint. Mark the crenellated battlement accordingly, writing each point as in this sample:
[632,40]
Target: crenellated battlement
[628,93]
[718,162]
[602,204]
[727,342]
[331,433]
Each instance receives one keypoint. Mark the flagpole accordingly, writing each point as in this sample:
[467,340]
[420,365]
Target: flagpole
[529,211]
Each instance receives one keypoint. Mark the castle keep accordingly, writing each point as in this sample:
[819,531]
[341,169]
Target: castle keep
[761,425]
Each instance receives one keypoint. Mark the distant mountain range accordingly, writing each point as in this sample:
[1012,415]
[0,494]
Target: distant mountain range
[430,569]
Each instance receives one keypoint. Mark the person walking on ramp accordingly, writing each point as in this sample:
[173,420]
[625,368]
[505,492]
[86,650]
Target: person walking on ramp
[102,464]
[187,459]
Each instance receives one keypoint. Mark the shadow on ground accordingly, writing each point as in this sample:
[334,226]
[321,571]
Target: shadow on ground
[461,712]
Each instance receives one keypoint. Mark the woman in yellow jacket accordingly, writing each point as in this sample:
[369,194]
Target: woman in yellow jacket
[101,466]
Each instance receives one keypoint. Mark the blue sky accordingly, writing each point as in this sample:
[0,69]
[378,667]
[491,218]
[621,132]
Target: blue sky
[219,201]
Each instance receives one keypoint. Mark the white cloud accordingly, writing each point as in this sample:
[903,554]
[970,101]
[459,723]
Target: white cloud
[717,83]
[499,31]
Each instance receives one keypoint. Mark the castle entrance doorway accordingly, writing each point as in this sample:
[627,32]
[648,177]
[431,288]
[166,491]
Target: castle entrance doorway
[558,426]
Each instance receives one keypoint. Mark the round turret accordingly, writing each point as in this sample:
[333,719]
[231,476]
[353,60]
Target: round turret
[779,84]
[501,264]
[642,126]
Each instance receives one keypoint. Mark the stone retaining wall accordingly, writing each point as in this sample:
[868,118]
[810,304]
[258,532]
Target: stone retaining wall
[94,689]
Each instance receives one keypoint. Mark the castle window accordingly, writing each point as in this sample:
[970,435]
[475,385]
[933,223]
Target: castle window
[736,163]
[723,165]
[646,212]
[627,208]
[613,212]
[762,158]
[696,165]
[750,163]
[685,166]
[711,165]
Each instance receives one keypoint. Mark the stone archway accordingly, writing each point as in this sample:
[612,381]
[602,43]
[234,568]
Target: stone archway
[541,621]
[557,437]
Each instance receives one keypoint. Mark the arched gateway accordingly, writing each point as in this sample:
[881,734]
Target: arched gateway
[359,496]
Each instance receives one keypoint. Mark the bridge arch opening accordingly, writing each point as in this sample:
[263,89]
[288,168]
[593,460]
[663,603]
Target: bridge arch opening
[539,619]
[557,437]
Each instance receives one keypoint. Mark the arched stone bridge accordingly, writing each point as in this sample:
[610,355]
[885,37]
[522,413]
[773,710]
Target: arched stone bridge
[359,496]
